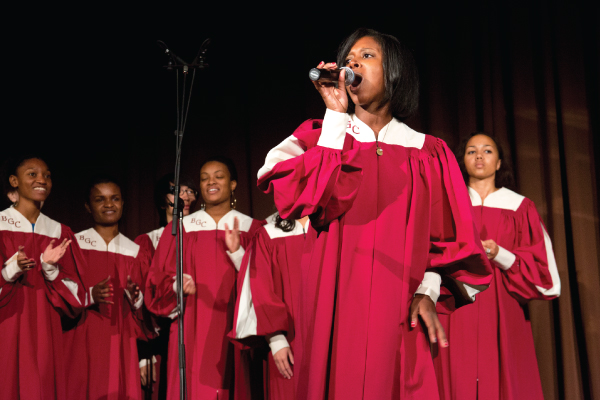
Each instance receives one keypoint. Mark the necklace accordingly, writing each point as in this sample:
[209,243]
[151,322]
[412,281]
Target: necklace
[379,149]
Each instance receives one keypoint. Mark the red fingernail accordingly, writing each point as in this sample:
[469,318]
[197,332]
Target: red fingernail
[413,323]
[333,63]
[321,63]
[445,343]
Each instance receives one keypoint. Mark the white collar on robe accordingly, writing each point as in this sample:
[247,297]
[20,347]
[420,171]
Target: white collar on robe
[275,232]
[120,244]
[12,220]
[395,132]
[502,198]
[201,221]
[155,236]
[272,218]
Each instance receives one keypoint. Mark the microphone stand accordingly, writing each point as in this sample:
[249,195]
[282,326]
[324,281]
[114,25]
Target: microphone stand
[183,107]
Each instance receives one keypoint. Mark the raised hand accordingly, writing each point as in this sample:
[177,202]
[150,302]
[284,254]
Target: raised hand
[232,237]
[102,290]
[133,289]
[335,99]
[422,306]
[281,361]
[53,254]
[491,248]
[25,263]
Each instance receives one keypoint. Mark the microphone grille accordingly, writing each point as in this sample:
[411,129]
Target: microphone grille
[314,74]
[349,76]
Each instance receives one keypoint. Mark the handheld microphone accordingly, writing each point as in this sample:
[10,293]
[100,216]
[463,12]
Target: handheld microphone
[327,75]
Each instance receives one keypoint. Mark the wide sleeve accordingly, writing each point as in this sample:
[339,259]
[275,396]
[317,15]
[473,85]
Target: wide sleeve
[145,255]
[65,289]
[10,272]
[145,326]
[455,250]
[259,310]
[314,171]
[159,296]
[529,270]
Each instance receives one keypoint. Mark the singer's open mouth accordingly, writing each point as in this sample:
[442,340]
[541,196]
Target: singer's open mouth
[354,86]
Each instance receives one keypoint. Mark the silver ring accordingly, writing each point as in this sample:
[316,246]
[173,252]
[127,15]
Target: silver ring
[488,251]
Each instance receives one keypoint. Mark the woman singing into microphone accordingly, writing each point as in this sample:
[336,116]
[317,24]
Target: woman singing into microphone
[394,221]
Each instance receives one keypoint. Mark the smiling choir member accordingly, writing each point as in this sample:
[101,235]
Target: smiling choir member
[104,340]
[39,283]
[154,353]
[393,216]
[492,354]
[269,300]
[214,239]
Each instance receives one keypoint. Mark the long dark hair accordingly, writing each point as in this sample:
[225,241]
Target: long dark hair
[504,176]
[399,67]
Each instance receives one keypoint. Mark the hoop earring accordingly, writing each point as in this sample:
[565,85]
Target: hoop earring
[233,200]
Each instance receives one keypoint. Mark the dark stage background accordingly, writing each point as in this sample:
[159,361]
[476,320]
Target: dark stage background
[85,86]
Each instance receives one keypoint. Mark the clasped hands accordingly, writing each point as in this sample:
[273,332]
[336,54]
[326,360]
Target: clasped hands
[104,289]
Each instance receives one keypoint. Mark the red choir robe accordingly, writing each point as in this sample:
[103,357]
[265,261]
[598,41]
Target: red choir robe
[388,227]
[102,344]
[149,241]
[208,313]
[491,353]
[154,350]
[31,306]
[269,300]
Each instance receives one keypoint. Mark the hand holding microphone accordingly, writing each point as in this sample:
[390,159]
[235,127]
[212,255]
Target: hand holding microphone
[333,75]
[335,98]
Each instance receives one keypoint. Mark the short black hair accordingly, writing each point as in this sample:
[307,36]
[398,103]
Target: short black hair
[97,180]
[504,176]
[163,187]
[399,67]
[12,165]
[228,163]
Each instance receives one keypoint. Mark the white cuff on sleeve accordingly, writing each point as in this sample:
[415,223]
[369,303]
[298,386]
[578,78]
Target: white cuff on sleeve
[72,286]
[138,303]
[90,300]
[236,257]
[471,292]
[333,131]
[144,361]
[11,271]
[175,313]
[278,342]
[50,271]
[430,285]
[505,259]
